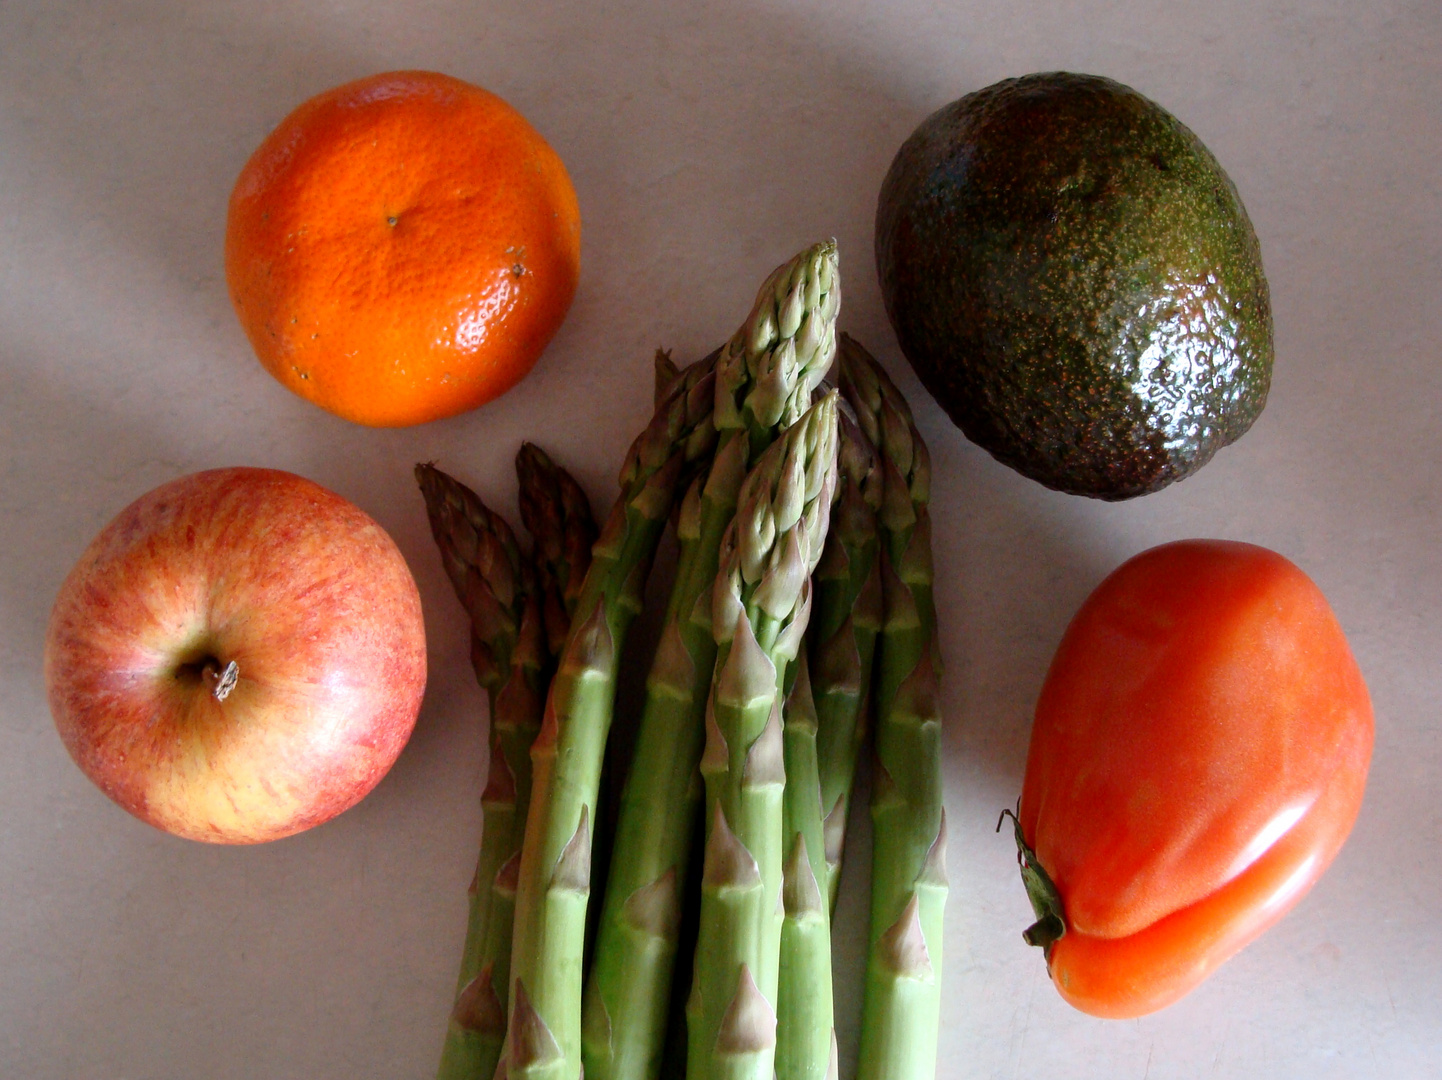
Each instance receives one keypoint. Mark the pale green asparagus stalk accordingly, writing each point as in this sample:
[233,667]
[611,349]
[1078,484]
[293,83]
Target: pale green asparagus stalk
[901,1013]
[544,1035]
[845,620]
[549,503]
[805,1031]
[759,610]
[498,588]
[558,516]
[765,378]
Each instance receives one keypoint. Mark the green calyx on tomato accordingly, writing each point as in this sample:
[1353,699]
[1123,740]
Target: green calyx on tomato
[1198,757]
[1045,900]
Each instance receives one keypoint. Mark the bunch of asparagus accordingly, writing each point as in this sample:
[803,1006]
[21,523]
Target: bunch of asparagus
[520,609]
[803,565]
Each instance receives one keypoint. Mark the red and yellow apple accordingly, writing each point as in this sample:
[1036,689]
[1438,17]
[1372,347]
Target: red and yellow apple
[238,656]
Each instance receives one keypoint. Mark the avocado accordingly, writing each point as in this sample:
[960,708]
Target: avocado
[1076,282]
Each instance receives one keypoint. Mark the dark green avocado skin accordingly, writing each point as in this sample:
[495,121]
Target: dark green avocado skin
[1075,280]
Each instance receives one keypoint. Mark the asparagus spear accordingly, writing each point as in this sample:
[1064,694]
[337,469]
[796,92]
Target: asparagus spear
[901,1012]
[842,640]
[543,1038]
[805,1031]
[765,380]
[557,514]
[666,372]
[673,1054]
[497,587]
[759,608]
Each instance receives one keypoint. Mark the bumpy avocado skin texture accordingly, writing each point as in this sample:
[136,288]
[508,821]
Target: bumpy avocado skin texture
[1075,280]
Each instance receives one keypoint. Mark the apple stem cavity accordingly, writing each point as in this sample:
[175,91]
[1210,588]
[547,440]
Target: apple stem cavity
[226,681]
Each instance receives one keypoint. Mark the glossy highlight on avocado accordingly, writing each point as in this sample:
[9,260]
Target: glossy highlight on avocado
[1076,281]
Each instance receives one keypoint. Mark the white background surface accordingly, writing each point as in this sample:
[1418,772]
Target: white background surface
[706,145]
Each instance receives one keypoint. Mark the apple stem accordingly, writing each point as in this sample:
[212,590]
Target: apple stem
[227,680]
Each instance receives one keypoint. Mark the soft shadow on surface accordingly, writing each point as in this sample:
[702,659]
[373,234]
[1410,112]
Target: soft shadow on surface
[142,121]
[71,465]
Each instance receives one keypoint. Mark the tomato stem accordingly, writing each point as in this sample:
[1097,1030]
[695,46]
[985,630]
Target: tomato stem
[1046,902]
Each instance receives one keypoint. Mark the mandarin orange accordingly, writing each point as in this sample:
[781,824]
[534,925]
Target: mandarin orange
[402,248]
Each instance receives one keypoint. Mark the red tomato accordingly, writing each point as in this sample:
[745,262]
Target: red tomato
[1200,748]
